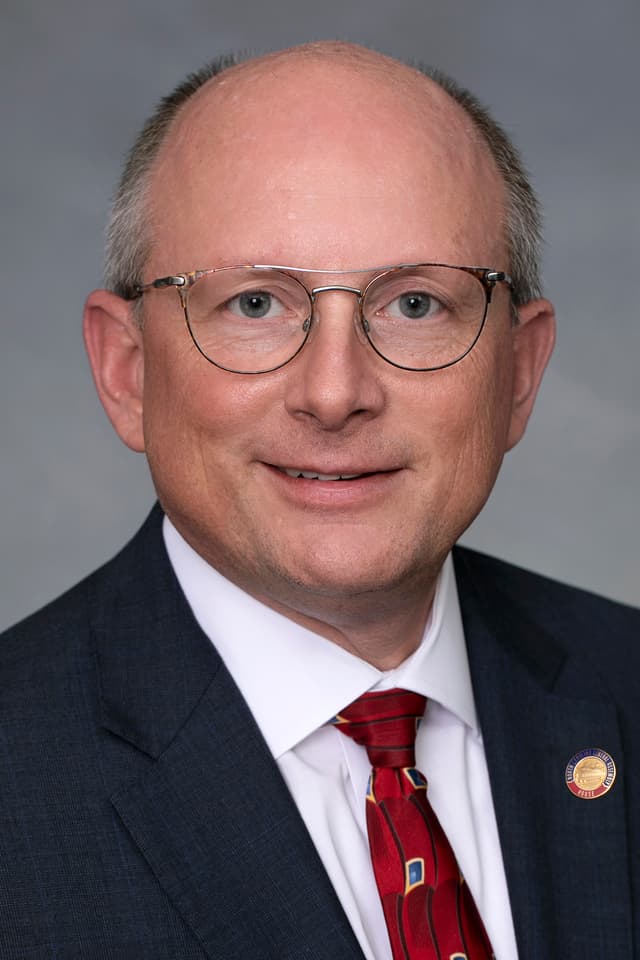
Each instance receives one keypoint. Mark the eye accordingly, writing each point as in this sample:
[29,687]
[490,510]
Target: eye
[256,305]
[413,305]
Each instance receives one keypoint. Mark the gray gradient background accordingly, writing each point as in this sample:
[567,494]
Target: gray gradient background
[78,78]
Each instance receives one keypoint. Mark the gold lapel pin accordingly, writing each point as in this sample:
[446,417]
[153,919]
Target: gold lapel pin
[590,773]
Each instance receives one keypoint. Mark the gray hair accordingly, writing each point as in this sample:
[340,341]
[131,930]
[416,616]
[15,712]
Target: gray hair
[128,240]
[128,236]
[523,218]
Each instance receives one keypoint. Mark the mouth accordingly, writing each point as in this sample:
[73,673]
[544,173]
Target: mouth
[312,475]
[342,476]
[350,486]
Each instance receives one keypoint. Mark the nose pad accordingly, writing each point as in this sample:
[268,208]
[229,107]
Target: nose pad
[360,324]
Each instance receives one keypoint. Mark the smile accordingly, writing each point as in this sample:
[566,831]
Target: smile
[310,475]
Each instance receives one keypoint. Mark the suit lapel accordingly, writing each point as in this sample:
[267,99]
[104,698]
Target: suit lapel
[211,814]
[566,859]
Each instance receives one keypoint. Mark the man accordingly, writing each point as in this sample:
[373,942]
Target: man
[324,329]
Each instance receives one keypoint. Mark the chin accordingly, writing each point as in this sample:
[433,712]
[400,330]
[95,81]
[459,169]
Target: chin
[346,577]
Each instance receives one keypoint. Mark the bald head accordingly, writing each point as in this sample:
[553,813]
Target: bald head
[284,154]
[321,121]
[327,93]
[325,68]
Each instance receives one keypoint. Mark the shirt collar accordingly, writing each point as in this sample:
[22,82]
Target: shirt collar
[294,680]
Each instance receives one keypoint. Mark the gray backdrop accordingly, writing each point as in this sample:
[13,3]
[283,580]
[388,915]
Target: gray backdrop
[79,77]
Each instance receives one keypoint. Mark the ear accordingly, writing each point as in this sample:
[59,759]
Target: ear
[114,344]
[533,339]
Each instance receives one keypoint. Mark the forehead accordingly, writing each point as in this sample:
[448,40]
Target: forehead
[326,160]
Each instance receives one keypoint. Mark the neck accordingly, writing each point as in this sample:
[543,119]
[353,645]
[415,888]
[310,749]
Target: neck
[381,622]
[382,630]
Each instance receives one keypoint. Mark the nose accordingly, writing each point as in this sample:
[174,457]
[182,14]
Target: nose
[337,377]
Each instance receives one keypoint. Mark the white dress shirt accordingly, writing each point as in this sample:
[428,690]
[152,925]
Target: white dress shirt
[294,681]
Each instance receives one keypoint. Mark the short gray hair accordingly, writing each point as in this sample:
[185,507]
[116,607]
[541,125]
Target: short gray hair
[128,236]
[128,240]
[523,218]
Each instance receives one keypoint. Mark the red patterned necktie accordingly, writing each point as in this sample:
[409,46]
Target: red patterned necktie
[428,907]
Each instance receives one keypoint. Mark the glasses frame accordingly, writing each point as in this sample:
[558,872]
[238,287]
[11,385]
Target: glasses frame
[183,282]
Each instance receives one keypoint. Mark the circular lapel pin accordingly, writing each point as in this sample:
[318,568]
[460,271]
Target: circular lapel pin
[590,773]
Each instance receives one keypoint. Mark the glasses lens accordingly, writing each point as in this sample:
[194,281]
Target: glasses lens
[424,317]
[247,319]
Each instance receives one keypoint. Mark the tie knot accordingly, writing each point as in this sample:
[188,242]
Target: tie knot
[385,722]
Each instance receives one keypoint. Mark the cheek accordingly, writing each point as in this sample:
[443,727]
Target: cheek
[469,413]
[196,417]
[488,417]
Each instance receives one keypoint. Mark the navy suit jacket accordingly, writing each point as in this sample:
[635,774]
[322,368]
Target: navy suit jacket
[142,816]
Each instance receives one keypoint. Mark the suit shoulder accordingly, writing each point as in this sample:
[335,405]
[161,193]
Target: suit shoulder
[47,653]
[564,634]
[560,605]
[53,648]
[69,612]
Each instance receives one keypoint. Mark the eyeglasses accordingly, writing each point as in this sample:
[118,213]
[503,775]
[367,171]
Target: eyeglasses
[254,319]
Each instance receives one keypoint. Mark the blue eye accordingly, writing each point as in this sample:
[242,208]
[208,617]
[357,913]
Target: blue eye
[413,305]
[410,304]
[255,305]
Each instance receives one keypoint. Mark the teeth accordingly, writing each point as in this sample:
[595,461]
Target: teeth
[308,475]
